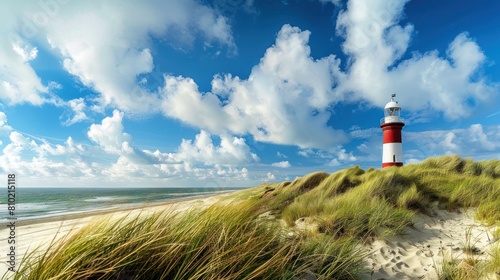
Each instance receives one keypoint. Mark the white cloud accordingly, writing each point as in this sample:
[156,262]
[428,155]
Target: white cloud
[31,159]
[4,127]
[78,108]
[334,162]
[200,158]
[232,151]
[478,137]
[27,53]
[104,44]
[344,156]
[365,133]
[305,152]
[474,140]
[115,159]
[281,155]
[109,134]
[448,144]
[111,65]
[284,101]
[282,164]
[375,43]
[18,81]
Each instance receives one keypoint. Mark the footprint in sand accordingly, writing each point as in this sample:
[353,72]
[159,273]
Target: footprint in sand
[400,265]
[403,252]
[401,246]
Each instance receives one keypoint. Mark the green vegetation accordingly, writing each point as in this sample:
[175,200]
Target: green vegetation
[242,237]
[494,266]
[224,241]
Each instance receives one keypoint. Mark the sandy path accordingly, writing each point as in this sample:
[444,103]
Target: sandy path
[416,254]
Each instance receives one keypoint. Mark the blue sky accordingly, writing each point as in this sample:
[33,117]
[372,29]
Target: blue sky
[239,92]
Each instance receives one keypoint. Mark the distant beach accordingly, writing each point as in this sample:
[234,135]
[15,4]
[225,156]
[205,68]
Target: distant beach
[37,203]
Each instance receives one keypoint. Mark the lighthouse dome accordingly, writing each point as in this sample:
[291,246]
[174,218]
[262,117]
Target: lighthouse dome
[391,104]
[392,112]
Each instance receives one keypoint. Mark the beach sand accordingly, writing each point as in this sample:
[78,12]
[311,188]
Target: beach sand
[39,233]
[417,253]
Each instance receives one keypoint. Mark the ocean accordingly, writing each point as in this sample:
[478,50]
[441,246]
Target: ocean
[33,203]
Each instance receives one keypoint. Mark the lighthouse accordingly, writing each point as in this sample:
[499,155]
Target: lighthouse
[392,124]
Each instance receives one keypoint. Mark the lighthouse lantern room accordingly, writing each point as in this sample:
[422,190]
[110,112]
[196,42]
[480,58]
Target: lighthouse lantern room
[392,124]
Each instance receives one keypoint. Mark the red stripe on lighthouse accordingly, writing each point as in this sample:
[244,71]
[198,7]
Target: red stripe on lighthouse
[387,164]
[392,132]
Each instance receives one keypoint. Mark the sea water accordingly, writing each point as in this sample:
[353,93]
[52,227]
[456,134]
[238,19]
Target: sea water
[33,203]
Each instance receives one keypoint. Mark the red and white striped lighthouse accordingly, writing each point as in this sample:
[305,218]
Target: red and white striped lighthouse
[392,124]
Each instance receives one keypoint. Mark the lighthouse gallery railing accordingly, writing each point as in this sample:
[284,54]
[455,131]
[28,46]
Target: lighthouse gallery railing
[391,119]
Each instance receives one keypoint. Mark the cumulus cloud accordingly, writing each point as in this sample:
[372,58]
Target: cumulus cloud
[375,44]
[104,44]
[115,158]
[284,101]
[4,127]
[19,83]
[78,108]
[112,65]
[231,151]
[474,140]
[109,134]
[344,156]
[199,157]
[39,158]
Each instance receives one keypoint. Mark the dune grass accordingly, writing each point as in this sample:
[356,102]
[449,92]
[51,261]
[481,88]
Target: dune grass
[450,181]
[231,241]
[220,242]
[494,266]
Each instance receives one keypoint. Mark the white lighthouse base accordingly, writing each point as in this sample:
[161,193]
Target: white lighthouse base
[392,154]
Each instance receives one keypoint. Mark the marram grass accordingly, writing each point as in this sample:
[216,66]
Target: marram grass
[231,241]
[220,242]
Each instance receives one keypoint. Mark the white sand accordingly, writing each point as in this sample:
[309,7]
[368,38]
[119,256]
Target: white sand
[417,253]
[40,233]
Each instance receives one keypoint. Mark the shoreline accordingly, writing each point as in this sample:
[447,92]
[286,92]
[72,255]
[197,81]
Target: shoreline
[110,210]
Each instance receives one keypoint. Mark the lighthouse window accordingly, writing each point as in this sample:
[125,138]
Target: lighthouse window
[393,158]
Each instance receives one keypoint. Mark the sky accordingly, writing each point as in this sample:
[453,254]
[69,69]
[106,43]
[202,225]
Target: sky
[236,93]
